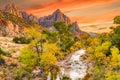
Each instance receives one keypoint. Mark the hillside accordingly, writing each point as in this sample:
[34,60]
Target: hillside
[20,19]
[7,44]
[11,25]
[53,47]
[14,19]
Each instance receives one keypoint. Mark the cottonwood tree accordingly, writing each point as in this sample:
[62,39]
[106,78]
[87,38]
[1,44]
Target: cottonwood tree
[65,36]
[34,34]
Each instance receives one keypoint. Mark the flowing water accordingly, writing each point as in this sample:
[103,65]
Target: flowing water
[76,69]
[49,76]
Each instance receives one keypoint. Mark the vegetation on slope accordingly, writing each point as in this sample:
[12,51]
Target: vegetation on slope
[15,20]
[48,47]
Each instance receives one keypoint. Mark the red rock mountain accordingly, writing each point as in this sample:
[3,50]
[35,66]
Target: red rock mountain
[7,28]
[48,22]
[12,9]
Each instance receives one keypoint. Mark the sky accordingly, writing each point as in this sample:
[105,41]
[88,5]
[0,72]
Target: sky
[85,12]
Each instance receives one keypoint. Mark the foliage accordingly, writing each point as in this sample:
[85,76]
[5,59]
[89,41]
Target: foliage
[2,61]
[20,73]
[115,58]
[28,57]
[51,36]
[65,37]
[34,34]
[54,49]
[117,20]
[66,78]
[103,52]
[115,36]
[21,40]
[15,20]
[48,60]
[6,53]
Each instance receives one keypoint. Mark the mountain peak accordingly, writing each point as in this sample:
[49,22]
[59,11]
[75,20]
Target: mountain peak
[57,15]
[12,9]
[10,6]
[58,10]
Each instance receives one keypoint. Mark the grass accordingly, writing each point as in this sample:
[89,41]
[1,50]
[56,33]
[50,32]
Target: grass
[6,53]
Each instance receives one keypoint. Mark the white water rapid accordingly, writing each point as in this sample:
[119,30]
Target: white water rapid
[78,68]
[74,68]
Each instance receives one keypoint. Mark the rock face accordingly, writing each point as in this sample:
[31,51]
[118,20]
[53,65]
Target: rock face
[76,30]
[32,18]
[12,9]
[25,15]
[7,28]
[48,21]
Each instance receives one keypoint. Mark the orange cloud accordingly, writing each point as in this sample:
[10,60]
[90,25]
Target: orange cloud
[67,6]
[105,17]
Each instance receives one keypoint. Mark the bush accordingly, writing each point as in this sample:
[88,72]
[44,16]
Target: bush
[117,20]
[6,53]
[21,40]
[28,57]
[66,78]
[15,39]
[1,60]
[20,73]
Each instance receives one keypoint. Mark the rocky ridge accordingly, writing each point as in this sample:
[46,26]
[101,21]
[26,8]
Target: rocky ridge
[48,22]
[12,9]
[7,28]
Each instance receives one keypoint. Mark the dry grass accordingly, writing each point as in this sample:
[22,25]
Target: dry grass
[7,44]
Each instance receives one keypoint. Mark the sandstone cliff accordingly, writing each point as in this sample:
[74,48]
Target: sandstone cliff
[48,22]
[12,9]
[7,28]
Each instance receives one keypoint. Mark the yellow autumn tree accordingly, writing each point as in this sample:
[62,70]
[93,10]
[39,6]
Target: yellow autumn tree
[115,57]
[54,49]
[48,62]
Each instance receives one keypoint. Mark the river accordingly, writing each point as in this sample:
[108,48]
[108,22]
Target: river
[74,68]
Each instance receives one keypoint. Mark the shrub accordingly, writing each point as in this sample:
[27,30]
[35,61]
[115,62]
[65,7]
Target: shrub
[6,53]
[15,39]
[21,40]
[20,73]
[1,60]
[66,78]
[28,57]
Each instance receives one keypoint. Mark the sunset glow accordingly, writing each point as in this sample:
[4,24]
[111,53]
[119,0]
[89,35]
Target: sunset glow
[82,11]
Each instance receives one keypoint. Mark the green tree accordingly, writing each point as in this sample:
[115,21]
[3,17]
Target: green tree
[28,57]
[48,62]
[65,36]
[115,37]
[34,34]
[115,58]
[117,20]
[51,36]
